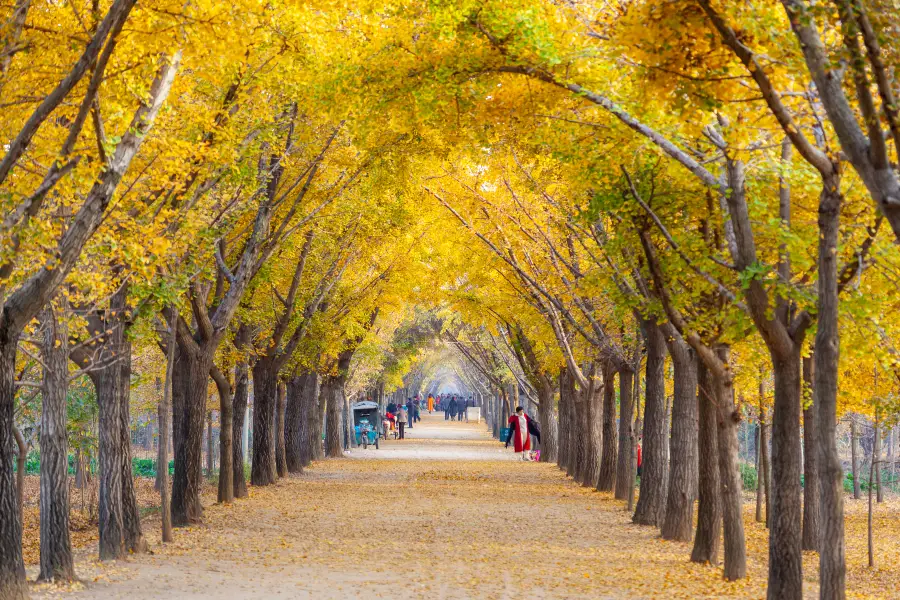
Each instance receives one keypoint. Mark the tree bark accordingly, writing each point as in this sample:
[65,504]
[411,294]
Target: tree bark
[624,478]
[314,418]
[239,413]
[12,568]
[546,415]
[709,510]
[294,423]
[727,420]
[812,492]
[56,548]
[876,458]
[593,425]
[832,567]
[854,455]
[563,455]
[189,407]
[651,501]
[225,492]
[162,450]
[280,455]
[609,458]
[21,459]
[111,503]
[679,516]
[334,399]
[265,390]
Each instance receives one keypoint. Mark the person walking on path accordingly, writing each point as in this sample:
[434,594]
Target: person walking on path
[461,409]
[451,409]
[416,406]
[430,404]
[519,434]
[410,413]
[401,421]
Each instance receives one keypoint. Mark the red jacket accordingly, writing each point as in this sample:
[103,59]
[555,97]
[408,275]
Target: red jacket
[518,437]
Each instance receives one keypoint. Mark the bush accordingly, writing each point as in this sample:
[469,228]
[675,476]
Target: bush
[749,478]
[146,467]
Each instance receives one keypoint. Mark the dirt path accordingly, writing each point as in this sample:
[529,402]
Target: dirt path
[447,513]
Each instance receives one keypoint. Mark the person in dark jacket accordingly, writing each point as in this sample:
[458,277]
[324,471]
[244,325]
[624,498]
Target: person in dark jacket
[451,408]
[410,413]
[461,409]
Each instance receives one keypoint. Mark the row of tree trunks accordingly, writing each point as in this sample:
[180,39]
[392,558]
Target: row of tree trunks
[682,488]
[651,502]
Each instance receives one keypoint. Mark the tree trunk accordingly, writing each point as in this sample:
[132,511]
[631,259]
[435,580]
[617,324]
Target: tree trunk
[110,509]
[609,459]
[709,510]
[854,455]
[832,568]
[280,455]
[225,492]
[549,440]
[265,392]
[678,522]
[812,492]
[652,499]
[162,450]
[766,463]
[562,455]
[21,459]
[334,399]
[294,423]
[869,534]
[314,418]
[209,445]
[131,516]
[592,425]
[238,423]
[12,569]
[638,426]
[727,420]
[876,458]
[189,409]
[624,478]
[56,548]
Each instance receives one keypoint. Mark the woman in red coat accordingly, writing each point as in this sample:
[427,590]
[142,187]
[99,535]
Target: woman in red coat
[518,432]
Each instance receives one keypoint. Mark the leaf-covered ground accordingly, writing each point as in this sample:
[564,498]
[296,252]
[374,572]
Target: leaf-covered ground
[451,516]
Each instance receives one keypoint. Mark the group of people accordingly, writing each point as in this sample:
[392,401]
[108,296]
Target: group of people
[402,416]
[454,407]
